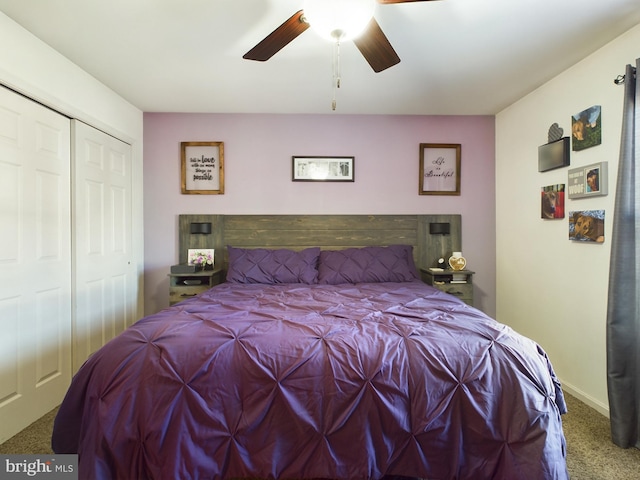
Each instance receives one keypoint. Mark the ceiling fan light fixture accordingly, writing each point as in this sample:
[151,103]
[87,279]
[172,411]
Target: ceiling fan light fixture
[339,20]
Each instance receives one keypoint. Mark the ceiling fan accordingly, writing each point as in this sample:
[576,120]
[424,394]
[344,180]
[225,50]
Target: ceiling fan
[372,42]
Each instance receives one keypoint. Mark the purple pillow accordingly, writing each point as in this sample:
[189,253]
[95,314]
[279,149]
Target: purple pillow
[368,264]
[261,265]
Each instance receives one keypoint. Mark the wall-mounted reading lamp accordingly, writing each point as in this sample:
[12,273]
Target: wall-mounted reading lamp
[201,228]
[438,228]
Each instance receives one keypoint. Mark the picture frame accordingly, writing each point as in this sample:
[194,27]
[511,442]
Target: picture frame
[202,168]
[201,257]
[554,155]
[322,169]
[552,201]
[588,181]
[586,128]
[587,226]
[439,169]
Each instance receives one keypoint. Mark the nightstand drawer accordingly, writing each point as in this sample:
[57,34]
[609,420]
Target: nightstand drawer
[445,280]
[464,291]
[183,286]
[178,294]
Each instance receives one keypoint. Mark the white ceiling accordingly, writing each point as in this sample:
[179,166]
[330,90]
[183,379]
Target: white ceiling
[465,57]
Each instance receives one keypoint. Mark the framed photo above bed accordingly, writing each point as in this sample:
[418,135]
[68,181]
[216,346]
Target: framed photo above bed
[202,168]
[323,169]
[439,169]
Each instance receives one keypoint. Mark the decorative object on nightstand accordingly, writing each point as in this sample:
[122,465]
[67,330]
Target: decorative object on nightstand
[458,283]
[457,261]
[183,286]
[202,258]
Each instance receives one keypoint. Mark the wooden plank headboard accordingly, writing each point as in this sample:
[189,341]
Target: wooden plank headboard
[335,232]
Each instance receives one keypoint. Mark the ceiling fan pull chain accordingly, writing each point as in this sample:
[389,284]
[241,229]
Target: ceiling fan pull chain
[336,71]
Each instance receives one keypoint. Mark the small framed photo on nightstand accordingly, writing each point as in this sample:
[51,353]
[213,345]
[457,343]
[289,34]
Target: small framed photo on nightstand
[201,257]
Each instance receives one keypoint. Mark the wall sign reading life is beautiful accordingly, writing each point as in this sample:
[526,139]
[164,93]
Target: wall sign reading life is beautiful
[439,169]
[202,168]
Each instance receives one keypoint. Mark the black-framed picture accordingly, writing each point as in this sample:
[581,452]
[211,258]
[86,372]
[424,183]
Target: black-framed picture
[439,169]
[323,169]
[554,155]
[589,181]
[202,168]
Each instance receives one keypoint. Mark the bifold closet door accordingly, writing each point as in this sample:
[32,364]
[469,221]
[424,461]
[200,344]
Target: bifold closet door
[35,261]
[105,283]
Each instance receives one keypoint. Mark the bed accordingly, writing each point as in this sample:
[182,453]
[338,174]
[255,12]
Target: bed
[315,362]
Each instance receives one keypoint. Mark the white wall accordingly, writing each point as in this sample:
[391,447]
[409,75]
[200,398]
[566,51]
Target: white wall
[549,288]
[31,67]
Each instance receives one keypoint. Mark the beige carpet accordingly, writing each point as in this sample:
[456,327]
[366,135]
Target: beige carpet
[590,453]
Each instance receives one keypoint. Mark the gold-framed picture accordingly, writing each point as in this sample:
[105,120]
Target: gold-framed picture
[202,168]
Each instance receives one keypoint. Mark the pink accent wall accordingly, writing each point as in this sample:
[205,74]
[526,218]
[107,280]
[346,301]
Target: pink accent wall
[257,154]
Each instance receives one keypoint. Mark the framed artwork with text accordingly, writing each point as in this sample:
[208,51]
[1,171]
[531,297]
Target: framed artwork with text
[202,168]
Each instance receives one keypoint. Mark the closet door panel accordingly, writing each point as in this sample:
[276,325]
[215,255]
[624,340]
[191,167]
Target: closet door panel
[35,261]
[106,282]
[9,372]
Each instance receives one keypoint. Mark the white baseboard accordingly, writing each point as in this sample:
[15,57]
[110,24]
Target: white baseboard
[587,399]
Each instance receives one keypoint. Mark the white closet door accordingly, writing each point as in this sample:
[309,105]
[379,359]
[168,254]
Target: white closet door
[105,280]
[35,261]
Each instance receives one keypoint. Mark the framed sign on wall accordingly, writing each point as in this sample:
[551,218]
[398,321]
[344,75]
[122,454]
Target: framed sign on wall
[439,169]
[589,181]
[202,168]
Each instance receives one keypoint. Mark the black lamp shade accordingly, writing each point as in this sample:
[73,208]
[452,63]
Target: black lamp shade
[438,228]
[203,228]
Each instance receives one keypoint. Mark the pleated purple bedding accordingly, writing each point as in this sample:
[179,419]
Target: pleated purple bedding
[316,381]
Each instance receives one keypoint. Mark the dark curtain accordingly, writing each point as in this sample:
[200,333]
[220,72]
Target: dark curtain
[623,310]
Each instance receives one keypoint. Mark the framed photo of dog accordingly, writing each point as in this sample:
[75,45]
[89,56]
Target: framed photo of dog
[586,128]
[589,181]
[552,202]
[587,226]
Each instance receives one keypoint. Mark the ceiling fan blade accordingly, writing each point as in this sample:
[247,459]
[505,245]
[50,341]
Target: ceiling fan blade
[403,1]
[278,39]
[375,47]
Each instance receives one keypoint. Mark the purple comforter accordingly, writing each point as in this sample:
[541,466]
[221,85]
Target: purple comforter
[310,381]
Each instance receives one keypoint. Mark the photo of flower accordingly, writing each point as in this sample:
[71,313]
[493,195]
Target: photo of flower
[203,257]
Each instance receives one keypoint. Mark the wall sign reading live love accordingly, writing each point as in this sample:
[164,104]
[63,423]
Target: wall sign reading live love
[202,167]
[439,169]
